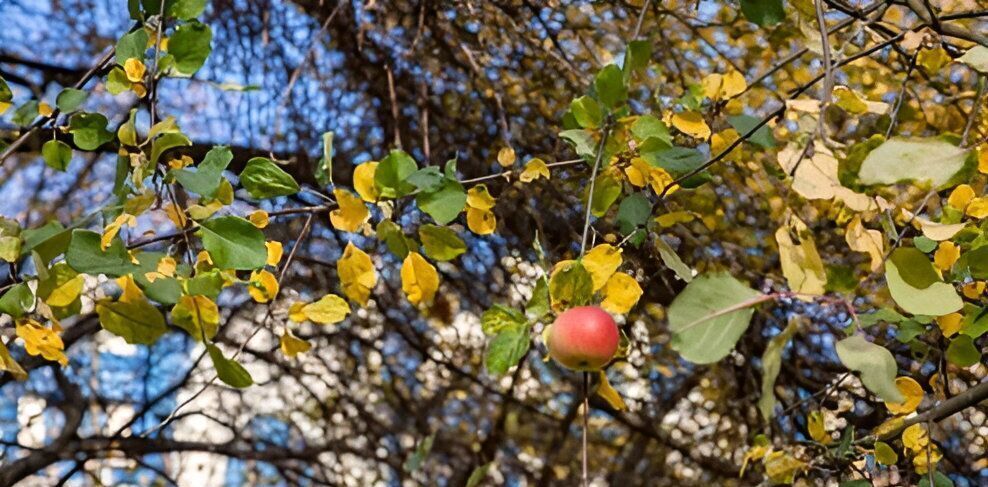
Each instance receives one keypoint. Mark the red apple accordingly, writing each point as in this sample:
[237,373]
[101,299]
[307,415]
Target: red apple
[583,338]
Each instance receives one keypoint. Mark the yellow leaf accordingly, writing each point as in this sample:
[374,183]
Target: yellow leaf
[961,196]
[756,452]
[275,251]
[176,215]
[912,391]
[722,140]
[602,261]
[139,89]
[782,468]
[621,293]
[198,315]
[608,393]
[947,253]
[292,345]
[669,219]
[167,266]
[534,169]
[950,324]
[922,461]
[815,425]
[45,110]
[130,293]
[8,364]
[419,279]
[202,212]
[860,239]
[978,208]
[328,310]
[506,157]
[915,438]
[723,86]
[973,290]
[982,156]
[4,106]
[847,99]
[41,340]
[135,70]
[479,198]
[113,229]
[884,454]
[351,214]
[932,60]
[259,218]
[65,294]
[363,181]
[691,123]
[801,263]
[295,312]
[481,222]
[263,286]
[357,274]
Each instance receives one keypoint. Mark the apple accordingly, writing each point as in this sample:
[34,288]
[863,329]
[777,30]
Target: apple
[583,338]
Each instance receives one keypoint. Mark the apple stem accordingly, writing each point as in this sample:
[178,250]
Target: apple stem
[586,423]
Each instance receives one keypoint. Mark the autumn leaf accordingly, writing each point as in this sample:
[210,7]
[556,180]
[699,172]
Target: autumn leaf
[534,169]
[330,309]
[911,391]
[363,181]
[292,345]
[691,123]
[506,157]
[601,261]
[41,340]
[621,293]
[419,279]
[357,274]
[351,214]
[274,252]
[608,393]
[262,286]
[259,218]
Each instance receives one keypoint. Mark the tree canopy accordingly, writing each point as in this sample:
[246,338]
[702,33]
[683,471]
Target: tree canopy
[301,242]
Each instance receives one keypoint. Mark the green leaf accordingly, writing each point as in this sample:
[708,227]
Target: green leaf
[166,142]
[86,257]
[507,348]
[647,126]
[914,267]
[538,304]
[127,132]
[709,316]
[262,178]
[582,141]
[499,318]
[17,301]
[925,245]
[744,123]
[185,9]
[205,180]
[855,483]
[883,315]
[5,94]
[391,176]
[939,480]
[414,462]
[765,13]
[609,86]
[57,154]
[636,57]
[938,299]
[874,362]
[229,371]
[974,262]
[137,322]
[89,130]
[884,454]
[427,179]
[975,322]
[392,235]
[962,351]
[70,99]
[132,45]
[49,240]
[324,168]
[633,212]
[234,243]
[570,286]
[117,82]
[190,46]
[479,474]
[606,191]
[25,114]
[587,112]
[441,243]
[771,364]
[445,203]
[672,260]
[913,159]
